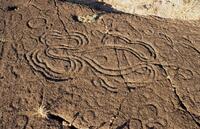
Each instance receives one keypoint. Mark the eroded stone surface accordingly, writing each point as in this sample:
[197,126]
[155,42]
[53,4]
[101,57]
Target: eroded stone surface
[175,9]
[117,72]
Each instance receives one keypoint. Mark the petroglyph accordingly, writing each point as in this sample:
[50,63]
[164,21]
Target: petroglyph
[36,23]
[123,71]
[67,54]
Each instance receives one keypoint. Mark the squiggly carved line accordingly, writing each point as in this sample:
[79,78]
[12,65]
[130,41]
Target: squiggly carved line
[73,61]
[39,65]
[103,81]
[76,55]
[95,65]
[125,43]
[80,39]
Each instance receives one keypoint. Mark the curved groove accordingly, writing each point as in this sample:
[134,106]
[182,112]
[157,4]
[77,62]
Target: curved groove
[185,73]
[76,57]
[106,85]
[41,67]
[36,23]
[73,61]
[81,39]
[98,67]
[125,44]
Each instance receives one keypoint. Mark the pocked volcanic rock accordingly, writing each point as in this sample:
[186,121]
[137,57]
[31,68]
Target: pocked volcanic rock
[68,66]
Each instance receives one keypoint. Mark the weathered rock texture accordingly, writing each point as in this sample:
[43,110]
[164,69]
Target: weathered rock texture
[175,9]
[116,71]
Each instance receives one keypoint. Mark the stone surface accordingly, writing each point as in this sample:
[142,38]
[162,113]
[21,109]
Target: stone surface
[117,71]
[175,9]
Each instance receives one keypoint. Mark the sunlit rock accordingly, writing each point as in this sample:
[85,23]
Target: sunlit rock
[175,9]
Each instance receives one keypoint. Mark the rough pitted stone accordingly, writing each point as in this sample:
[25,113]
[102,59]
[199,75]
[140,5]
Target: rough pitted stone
[68,66]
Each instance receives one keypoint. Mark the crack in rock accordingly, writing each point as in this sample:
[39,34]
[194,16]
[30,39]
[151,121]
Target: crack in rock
[182,105]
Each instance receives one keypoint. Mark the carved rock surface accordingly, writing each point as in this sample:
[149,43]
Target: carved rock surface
[110,71]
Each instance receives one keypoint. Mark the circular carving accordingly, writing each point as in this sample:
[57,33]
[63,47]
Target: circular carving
[37,23]
[148,111]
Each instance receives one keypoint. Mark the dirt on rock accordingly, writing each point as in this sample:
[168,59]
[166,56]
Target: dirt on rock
[68,66]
